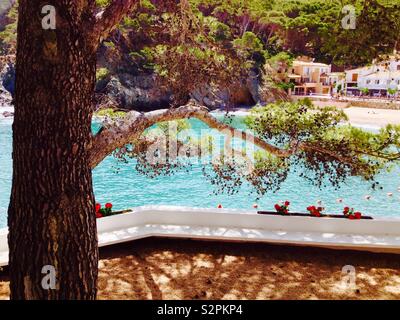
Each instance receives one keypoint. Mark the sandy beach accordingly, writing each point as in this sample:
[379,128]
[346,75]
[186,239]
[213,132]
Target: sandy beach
[369,117]
[357,116]
[185,269]
[373,117]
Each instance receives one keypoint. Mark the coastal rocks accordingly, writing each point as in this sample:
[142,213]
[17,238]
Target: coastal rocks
[246,93]
[144,93]
[211,97]
[7,78]
[6,99]
[140,92]
[7,114]
[7,85]
[237,95]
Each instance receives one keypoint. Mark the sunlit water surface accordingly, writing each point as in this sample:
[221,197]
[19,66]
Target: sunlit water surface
[122,185]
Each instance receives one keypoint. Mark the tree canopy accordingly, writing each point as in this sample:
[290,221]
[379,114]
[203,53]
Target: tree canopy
[51,216]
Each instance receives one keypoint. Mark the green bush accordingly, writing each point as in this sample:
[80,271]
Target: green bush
[102,73]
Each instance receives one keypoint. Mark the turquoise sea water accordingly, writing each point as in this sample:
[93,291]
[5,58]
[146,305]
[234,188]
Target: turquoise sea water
[122,185]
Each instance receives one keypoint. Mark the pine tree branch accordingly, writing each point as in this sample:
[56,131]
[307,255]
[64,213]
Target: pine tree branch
[108,19]
[129,129]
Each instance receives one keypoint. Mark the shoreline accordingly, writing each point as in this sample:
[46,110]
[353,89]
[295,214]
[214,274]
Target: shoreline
[358,116]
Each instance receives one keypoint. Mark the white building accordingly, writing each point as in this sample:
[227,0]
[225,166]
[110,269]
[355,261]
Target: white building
[337,81]
[378,78]
[379,82]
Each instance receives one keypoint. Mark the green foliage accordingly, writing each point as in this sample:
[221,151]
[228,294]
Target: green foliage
[102,73]
[110,113]
[314,27]
[281,58]
[8,36]
[109,44]
[286,85]
[327,149]
[251,47]
[103,3]
[178,126]
[218,30]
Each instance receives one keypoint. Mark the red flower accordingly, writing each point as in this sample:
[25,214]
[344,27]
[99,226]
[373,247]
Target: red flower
[346,209]
[277,207]
[358,215]
[99,215]
[286,212]
[109,205]
[220,206]
[351,217]
[287,203]
[98,207]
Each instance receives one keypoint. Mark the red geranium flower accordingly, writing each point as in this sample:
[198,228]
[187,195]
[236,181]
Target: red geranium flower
[283,209]
[358,215]
[98,207]
[99,215]
[315,211]
[109,205]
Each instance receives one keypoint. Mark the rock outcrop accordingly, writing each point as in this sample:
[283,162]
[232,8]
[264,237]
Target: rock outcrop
[7,84]
[140,92]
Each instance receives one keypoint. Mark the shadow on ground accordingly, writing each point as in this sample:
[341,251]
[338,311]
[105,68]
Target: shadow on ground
[186,269]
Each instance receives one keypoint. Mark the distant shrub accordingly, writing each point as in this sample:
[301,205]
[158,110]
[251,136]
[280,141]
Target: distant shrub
[102,73]
[103,3]
[112,113]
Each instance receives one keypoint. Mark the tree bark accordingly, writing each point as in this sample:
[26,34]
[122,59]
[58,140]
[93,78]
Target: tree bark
[51,215]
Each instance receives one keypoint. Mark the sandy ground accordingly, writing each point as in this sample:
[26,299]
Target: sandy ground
[371,117]
[185,269]
[375,117]
[357,116]
[365,116]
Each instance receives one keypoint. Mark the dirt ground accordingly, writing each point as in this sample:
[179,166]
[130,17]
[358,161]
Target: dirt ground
[186,269]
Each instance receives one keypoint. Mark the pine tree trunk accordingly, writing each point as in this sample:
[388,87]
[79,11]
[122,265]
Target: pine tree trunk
[51,215]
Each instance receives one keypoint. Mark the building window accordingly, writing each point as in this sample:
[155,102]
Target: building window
[368,81]
[377,81]
[398,67]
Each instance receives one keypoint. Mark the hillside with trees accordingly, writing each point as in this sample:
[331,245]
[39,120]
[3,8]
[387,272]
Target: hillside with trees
[136,68]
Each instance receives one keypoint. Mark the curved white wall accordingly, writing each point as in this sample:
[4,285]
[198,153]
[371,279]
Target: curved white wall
[237,225]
